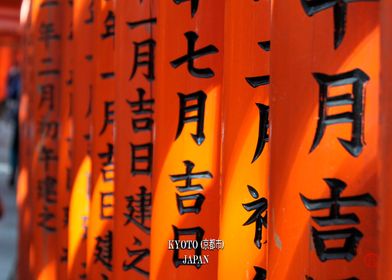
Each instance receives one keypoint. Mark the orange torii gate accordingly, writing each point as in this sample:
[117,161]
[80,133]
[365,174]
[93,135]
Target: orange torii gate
[254,132]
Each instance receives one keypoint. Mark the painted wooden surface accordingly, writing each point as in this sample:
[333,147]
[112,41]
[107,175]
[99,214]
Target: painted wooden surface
[135,107]
[258,128]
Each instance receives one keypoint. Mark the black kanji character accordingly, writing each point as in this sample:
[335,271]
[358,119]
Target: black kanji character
[259,206]
[107,167]
[260,80]
[263,130]
[142,107]
[141,159]
[185,109]
[183,208]
[312,7]
[46,156]
[46,96]
[48,34]
[189,176]
[352,236]
[90,19]
[44,220]
[139,209]
[334,204]
[64,256]
[194,5]
[135,24]
[109,23]
[104,250]
[144,58]
[357,78]
[198,233]
[105,205]
[66,216]
[261,273]
[49,129]
[140,255]
[47,189]
[193,54]
[109,115]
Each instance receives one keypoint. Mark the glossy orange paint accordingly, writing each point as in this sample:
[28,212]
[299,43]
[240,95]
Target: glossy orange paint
[100,229]
[133,189]
[65,130]
[287,167]
[246,24]
[384,239]
[83,75]
[171,152]
[47,63]
[24,189]
[34,139]
[302,46]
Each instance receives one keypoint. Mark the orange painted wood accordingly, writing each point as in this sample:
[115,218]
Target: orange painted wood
[121,226]
[64,182]
[100,230]
[247,24]
[24,188]
[34,141]
[47,64]
[171,152]
[303,46]
[83,55]
[135,33]
[384,241]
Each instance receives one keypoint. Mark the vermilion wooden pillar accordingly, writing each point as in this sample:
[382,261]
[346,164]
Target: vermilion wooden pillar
[34,139]
[64,182]
[318,73]
[83,55]
[135,106]
[33,161]
[47,71]
[24,189]
[384,240]
[100,230]
[245,141]
[188,85]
